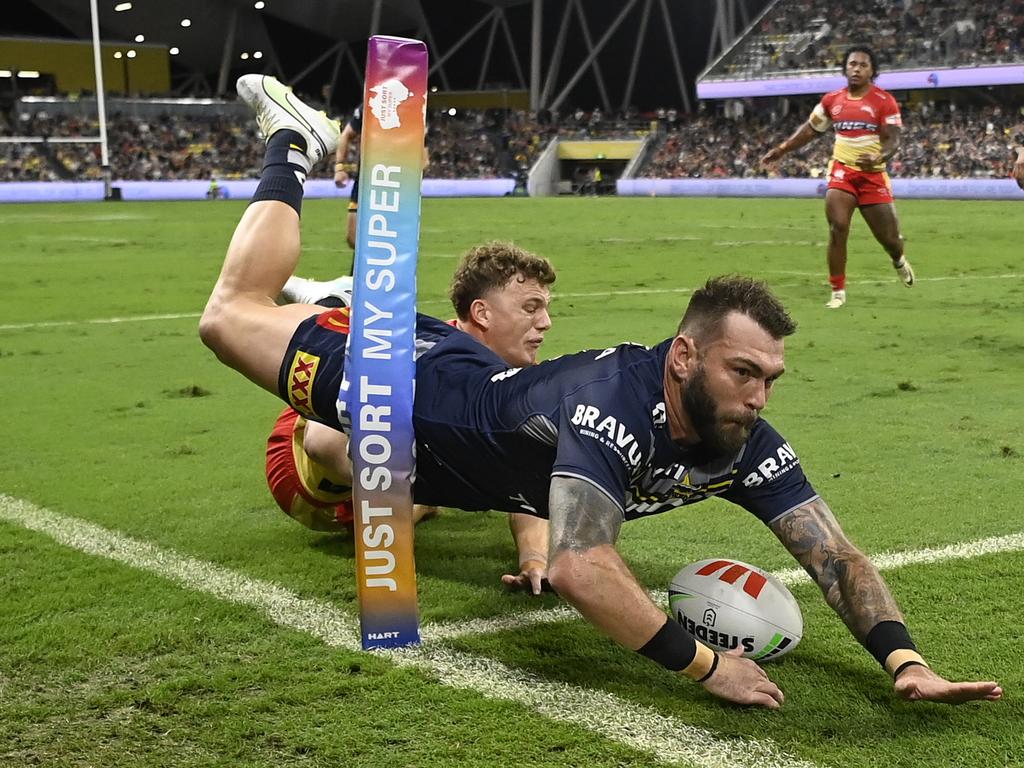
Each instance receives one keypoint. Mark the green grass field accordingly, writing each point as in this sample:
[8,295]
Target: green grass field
[157,609]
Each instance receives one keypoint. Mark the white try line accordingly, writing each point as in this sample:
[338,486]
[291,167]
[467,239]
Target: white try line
[445,302]
[1013,542]
[664,738]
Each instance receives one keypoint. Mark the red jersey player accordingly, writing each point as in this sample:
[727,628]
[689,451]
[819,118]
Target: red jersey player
[867,125]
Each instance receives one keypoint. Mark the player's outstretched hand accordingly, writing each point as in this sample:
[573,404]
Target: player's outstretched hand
[770,156]
[532,578]
[340,178]
[741,681]
[919,683]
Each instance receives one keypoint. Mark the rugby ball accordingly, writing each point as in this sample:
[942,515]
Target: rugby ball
[727,604]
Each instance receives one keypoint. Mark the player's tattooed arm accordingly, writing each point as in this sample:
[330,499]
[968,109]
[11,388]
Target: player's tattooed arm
[585,569]
[582,517]
[850,582]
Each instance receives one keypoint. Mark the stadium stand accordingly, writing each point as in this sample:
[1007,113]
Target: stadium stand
[809,35]
[939,140]
[471,144]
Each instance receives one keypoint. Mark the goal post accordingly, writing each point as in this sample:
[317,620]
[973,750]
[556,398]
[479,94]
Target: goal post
[377,394]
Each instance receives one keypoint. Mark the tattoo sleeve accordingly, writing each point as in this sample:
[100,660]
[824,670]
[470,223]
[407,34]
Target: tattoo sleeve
[582,517]
[850,582]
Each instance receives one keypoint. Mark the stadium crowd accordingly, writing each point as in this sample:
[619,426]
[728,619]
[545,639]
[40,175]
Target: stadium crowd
[470,144]
[938,140]
[811,34]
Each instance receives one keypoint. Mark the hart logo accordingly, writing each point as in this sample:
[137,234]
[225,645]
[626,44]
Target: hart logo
[300,382]
[731,573]
[384,103]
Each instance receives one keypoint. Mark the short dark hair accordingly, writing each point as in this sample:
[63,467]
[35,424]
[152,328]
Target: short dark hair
[720,296]
[491,266]
[862,49]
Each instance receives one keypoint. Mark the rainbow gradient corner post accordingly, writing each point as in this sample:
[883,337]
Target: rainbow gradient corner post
[377,394]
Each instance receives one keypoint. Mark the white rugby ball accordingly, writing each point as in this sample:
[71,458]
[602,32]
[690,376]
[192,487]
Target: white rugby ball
[727,604]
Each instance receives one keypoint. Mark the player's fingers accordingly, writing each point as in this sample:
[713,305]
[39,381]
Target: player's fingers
[763,699]
[513,582]
[974,691]
[536,581]
[775,692]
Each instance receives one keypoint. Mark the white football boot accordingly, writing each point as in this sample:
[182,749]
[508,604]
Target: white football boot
[277,108]
[301,290]
[905,271]
[837,300]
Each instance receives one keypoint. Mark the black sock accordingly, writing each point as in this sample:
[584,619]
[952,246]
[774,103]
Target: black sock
[284,170]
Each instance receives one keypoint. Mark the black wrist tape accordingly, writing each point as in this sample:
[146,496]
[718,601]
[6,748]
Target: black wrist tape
[672,646]
[886,637]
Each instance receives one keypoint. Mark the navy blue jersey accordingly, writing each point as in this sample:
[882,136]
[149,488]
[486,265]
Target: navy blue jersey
[491,437]
[356,121]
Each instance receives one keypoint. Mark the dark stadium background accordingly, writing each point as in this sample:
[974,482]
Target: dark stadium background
[296,45]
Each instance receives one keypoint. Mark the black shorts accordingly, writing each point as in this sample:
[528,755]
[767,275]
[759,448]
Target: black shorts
[314,366]
[353,198]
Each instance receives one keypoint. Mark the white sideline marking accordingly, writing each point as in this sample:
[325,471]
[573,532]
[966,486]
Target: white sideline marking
[584,294]
[98,321]
[736,243]
[666,739]
[1013,542]
[63,218]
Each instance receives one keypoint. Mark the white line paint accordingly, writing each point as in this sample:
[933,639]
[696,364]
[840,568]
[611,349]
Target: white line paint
[743,243]
[99,321]
[666,739]
[1013,542]
[63,218]
[435,302]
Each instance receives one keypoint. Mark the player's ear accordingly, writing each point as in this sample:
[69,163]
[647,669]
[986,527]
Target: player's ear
[683,356]
[480,313]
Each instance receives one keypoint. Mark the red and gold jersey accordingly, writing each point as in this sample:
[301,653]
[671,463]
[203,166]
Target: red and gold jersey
[857,122]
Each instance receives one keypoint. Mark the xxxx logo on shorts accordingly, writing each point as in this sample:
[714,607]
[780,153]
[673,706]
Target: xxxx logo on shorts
[336,320]
[300,382]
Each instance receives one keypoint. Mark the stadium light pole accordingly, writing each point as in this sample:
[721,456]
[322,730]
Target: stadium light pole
[535,40]
[101,109]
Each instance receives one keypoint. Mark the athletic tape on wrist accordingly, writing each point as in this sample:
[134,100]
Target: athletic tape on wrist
[899,660]
[890,643]
[672,646]
[704,664]
[714,666]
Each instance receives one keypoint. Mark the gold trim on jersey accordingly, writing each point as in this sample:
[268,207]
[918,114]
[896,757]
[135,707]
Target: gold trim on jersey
[311,475]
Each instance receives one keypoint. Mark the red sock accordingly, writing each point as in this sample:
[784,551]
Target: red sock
[838,282]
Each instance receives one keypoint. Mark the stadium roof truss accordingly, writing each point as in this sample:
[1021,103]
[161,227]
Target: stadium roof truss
[208,44]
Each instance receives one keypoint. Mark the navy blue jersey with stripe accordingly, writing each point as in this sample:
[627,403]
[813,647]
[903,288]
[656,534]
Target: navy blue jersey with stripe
[490,437]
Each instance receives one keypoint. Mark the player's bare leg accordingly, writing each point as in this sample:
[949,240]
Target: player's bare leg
[839,208]
[241,322]
[350,229]
[885,226]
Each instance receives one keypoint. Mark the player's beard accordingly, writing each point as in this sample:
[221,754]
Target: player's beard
[720,434]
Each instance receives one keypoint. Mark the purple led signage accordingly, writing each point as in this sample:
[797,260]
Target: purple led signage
[892,81]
